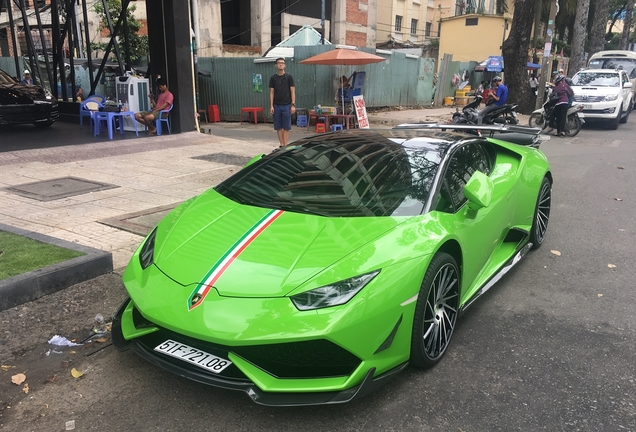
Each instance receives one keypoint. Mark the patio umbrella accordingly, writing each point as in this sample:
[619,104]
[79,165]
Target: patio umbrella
[343,57]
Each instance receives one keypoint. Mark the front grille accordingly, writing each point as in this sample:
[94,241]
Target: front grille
[307,359]
[588,99]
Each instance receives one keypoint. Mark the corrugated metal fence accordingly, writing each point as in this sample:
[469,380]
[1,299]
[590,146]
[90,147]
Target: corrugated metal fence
[229,82]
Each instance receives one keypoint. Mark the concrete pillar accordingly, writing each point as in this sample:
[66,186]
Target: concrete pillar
[210,42]
[338,22]
[261,23]
[170,56]
[372,23]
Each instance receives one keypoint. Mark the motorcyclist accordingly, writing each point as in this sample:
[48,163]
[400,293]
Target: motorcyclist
[496,99]
[558,117]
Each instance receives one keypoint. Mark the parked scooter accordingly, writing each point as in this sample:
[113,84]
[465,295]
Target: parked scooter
[505,114]
[574,120]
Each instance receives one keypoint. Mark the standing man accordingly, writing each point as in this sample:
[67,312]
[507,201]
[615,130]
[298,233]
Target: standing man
[282,101]
[163,102]
[27,78]
[534,83]
[496,98]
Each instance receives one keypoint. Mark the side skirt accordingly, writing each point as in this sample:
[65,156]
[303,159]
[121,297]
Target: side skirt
[495,278]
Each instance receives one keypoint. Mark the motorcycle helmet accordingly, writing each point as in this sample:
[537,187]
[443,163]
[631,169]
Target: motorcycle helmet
[496,79]
[559,79]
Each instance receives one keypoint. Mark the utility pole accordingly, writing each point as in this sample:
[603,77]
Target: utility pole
[547,49]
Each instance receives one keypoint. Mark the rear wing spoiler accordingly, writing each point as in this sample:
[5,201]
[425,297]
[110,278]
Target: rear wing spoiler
[522,135]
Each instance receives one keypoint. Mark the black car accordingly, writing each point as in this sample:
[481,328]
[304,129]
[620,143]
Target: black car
[21,103]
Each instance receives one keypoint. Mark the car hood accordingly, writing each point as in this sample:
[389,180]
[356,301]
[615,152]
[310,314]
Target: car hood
[245,251]
[588,90]
[11,94]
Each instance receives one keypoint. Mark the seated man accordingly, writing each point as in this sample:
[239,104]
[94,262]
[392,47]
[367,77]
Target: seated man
[497,98]
[163,102]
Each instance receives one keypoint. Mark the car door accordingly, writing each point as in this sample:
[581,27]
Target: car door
[481,231]
[625,92]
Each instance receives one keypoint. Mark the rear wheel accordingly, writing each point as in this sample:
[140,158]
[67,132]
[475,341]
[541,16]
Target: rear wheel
[436,311]
[541,214]
[573,125]
[536,120]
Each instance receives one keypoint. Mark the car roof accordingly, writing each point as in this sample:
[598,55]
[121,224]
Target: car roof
[436,140]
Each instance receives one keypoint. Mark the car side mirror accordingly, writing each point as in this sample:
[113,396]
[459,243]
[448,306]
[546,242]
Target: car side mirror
[479,191]
[254,159]
[627,85]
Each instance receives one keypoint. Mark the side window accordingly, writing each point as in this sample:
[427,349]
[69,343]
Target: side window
[463,164]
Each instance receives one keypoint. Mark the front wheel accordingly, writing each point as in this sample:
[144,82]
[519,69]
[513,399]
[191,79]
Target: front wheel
[436,311]
[536,120]
[541,214]
[573,125]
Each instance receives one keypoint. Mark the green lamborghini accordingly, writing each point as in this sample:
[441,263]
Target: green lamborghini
[321,270]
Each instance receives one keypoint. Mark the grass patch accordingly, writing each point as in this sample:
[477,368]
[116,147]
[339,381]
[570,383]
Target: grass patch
[20,254]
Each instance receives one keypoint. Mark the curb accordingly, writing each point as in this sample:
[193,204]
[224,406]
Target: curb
[30,286]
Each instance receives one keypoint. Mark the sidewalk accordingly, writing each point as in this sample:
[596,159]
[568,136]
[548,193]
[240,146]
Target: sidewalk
[441,115]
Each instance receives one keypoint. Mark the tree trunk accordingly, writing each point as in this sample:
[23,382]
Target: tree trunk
[627,25]
[515,49]
[578,38]
[599,26]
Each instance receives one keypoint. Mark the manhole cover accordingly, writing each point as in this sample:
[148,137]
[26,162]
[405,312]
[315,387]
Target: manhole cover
[64,187]
[225,158]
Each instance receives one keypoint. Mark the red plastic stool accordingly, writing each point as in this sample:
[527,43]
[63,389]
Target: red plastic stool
[320,128]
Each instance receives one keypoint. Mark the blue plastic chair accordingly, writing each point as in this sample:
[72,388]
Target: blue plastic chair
[336,127]
[161,119]
[301,121]
[87,112]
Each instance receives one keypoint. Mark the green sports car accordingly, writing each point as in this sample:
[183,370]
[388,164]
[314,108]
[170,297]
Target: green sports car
[321,270]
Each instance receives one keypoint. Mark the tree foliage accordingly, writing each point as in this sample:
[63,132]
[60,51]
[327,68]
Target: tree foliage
[138,44]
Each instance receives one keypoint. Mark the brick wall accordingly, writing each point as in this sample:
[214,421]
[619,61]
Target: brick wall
[357,13]
[356,38]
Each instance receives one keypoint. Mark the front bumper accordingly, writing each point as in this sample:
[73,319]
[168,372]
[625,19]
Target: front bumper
[236,376]
[600,110]
[38,112]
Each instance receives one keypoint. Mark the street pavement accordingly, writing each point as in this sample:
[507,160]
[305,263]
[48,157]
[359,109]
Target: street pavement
[551,347]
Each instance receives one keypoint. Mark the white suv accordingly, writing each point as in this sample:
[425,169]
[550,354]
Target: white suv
[605,95]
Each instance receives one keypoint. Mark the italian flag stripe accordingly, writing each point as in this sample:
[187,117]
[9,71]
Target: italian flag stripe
[226,260]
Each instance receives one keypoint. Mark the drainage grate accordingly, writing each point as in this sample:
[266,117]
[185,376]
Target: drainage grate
[225,158]
[50,190]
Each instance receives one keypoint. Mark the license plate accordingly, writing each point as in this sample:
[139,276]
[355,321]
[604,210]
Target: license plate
[587,106]
[194,356]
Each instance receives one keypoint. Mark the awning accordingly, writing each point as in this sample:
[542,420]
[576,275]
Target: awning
[491,64]
[534,66]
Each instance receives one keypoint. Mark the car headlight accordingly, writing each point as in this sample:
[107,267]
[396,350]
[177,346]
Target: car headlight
[610,97]
[332,295]
[146,255]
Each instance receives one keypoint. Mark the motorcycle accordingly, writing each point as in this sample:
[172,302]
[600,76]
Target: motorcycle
[504,114]
[575,118]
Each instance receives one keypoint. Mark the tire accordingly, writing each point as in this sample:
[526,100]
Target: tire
[541,214]
[613,124]
[573,126]
[624,119]
[436,311]
[536,120]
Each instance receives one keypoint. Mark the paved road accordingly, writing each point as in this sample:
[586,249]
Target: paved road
[551,347]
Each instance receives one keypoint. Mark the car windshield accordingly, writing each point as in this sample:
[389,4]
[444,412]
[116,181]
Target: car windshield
[628,65]
[342,175]
[598,79]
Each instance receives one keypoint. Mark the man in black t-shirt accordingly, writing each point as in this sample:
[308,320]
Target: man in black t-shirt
[282,101]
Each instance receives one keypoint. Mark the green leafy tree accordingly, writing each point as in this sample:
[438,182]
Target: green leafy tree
[138,44]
